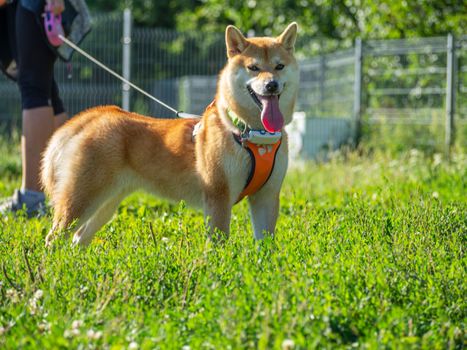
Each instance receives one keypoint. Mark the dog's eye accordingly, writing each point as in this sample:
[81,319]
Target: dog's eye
[253,68]
[280,66]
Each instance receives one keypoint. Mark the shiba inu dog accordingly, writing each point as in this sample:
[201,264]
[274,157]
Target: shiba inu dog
[105,153]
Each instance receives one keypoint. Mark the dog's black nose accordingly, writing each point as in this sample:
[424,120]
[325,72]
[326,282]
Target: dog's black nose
[272,86]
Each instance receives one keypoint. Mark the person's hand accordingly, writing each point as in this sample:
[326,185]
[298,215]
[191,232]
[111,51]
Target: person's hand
[58,6]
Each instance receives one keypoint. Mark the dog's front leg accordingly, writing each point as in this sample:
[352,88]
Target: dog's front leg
[217,213]
[264,209]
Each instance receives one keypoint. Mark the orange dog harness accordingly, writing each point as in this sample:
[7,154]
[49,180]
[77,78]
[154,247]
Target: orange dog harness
[262,158]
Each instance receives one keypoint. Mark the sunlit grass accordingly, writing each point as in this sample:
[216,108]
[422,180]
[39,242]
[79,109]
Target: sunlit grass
[369,253]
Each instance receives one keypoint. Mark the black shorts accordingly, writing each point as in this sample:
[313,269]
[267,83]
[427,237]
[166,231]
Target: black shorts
[35,63]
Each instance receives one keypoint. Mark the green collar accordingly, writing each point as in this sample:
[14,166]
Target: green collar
[245,133]
[237,122]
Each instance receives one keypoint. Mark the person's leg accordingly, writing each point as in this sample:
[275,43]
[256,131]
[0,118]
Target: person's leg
[35,80]
[60,119]
[38,126]
[59,111]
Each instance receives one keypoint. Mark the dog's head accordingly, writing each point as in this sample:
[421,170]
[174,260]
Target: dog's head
[260,81]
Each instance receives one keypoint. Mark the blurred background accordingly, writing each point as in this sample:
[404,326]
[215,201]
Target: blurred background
[388,75]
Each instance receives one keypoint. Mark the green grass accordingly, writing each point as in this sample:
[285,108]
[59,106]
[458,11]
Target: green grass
[369,254]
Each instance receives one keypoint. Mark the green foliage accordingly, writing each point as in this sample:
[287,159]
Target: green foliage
[10,165]
[341,20]
[402,19]
[369,253]
[398,137]
[147,13]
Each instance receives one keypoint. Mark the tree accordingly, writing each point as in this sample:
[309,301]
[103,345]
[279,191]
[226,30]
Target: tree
[343,20]
[334,19]
[148,12]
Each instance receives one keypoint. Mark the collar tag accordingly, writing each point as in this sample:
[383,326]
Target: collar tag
[262,137]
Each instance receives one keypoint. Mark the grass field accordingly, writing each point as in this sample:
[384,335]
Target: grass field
[369,254]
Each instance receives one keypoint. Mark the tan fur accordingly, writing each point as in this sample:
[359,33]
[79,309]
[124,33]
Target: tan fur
[105,153]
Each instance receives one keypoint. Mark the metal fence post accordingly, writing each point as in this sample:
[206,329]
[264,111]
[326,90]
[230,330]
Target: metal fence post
[450,93]
[357,103]
[322,77]
[126,63]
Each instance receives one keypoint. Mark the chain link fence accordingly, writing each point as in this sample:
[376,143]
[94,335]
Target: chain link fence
[381,90]
[414,91]
[82,84]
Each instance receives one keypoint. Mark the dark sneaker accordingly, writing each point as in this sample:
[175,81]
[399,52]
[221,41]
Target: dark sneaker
[33,203]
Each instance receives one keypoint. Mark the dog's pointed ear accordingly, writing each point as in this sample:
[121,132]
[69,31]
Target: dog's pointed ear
[235,41]
[288,37]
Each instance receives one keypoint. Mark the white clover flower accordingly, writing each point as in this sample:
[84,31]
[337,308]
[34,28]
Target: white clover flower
[13,295]
[93,335]
[69,333]
[76,324]
[74,331]
[38,294]
[33,308]
[44,326]
[133,345]
[34,304]
[288,344]
[437,159]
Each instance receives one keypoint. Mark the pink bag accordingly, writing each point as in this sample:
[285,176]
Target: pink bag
[53,26]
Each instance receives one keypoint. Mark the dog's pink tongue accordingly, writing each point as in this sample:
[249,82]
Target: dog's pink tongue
[271,115]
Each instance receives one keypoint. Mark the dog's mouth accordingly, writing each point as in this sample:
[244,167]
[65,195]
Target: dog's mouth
[271,116]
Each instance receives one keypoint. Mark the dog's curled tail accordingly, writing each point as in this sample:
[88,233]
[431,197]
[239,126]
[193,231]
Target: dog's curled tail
[51,162]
